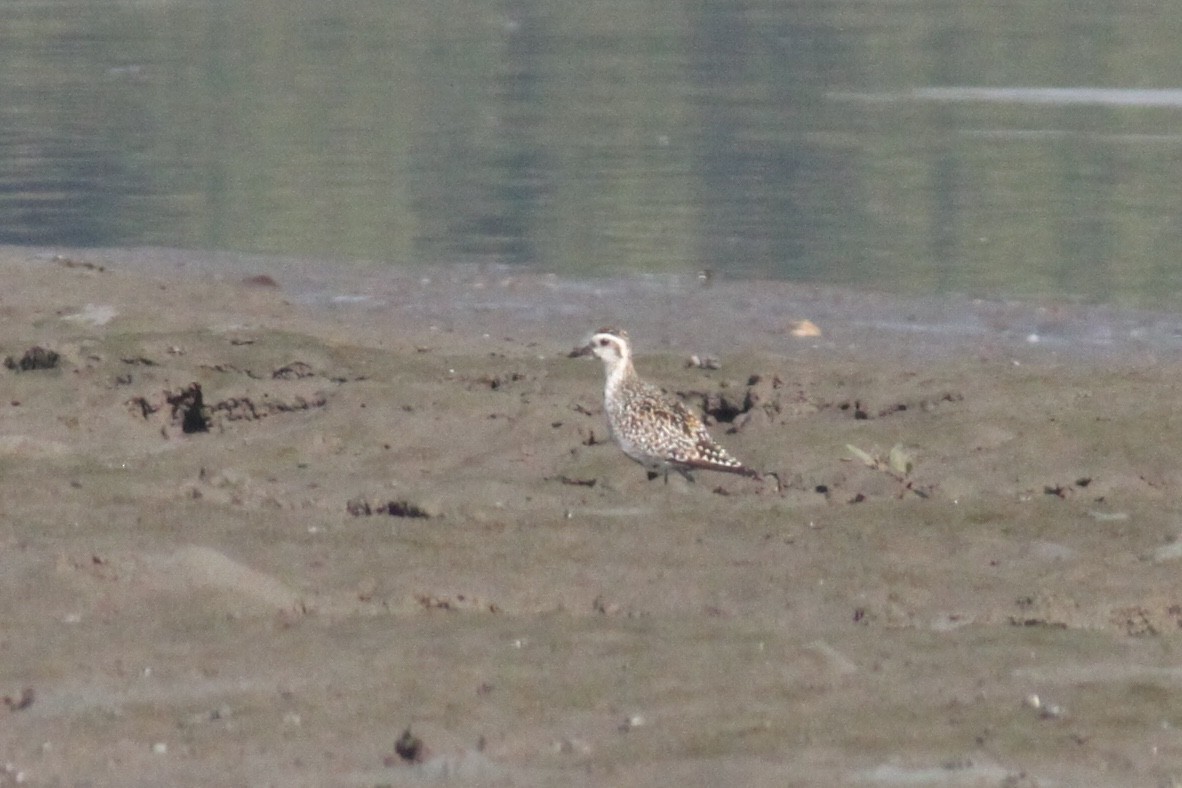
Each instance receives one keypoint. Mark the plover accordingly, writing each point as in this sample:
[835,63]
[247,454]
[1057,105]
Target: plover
[657,431]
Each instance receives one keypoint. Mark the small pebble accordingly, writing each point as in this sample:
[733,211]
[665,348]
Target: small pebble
[703,362]
[634,721]
[1047,711]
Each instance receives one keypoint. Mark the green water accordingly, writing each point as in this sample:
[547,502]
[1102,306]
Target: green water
[790,140]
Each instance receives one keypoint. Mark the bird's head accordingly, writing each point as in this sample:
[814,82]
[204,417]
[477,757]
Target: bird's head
[609,344]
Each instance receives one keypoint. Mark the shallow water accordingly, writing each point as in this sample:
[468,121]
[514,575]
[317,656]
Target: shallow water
[975,149]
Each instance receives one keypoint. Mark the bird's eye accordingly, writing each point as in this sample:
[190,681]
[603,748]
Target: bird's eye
[603,343]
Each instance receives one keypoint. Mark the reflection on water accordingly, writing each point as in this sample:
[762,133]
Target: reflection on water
[869,144]
[1113,97]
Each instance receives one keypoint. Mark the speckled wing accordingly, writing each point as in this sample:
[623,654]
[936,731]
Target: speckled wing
[710,456]
[683,438]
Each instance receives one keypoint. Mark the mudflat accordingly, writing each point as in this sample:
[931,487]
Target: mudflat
[253,535]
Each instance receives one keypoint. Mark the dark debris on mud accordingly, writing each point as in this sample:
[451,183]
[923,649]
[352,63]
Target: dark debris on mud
[34,358]
[188,409]
[361,507]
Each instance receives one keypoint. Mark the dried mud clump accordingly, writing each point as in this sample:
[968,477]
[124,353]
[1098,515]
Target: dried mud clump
[293,371]
[22,701]
[409,749]
[762,401]
[861,410]
[494,382]
[188,408]
[246,409]
[34,358]
[359,507]
[573,482]
[457,603]
[69,262]
[260,280]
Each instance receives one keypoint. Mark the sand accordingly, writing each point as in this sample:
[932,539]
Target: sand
[396,509]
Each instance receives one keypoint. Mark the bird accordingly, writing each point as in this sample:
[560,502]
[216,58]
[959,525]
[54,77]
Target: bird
[655,430]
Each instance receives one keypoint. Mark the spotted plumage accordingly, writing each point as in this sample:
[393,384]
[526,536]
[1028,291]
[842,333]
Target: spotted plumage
[657,431]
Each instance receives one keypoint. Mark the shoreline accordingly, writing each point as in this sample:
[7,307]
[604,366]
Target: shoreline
[726,314]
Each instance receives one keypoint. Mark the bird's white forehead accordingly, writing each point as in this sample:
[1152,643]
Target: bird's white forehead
[603,342]
[614,336]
